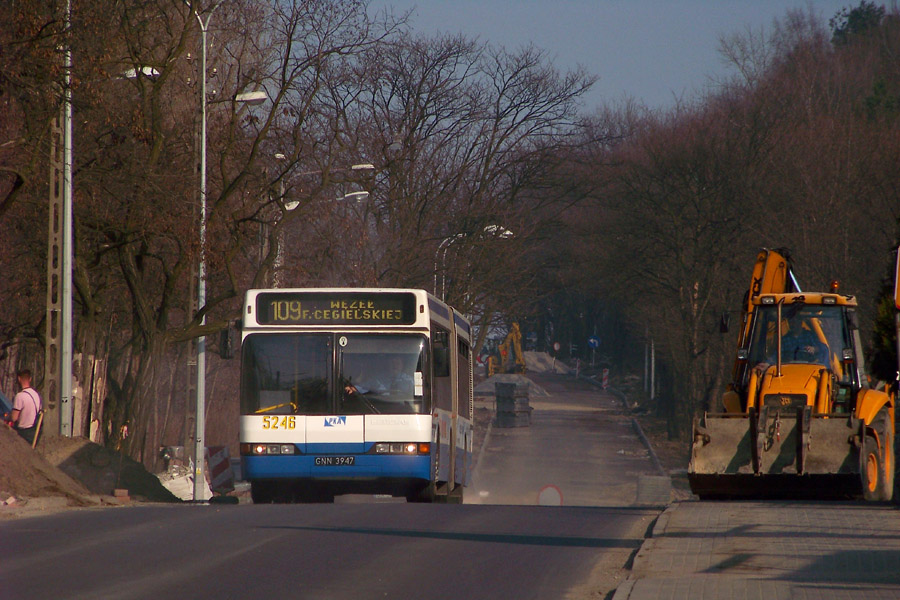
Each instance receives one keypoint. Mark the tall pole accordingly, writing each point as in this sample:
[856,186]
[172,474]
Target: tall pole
[200,420]
[68,240]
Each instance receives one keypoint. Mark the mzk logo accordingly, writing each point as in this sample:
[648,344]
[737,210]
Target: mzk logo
[335,421]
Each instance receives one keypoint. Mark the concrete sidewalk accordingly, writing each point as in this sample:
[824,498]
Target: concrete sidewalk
[770,551]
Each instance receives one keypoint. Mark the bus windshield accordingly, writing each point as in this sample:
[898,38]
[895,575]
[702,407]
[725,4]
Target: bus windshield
[286,374]
[381,373]
[300,373]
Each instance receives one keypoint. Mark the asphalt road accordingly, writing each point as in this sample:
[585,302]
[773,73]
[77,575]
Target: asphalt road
[337,551]
[512,548]
[578,451]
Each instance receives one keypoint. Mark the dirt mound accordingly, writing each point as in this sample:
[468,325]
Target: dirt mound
[541,362]
[24,473]
[74,468]
[102,470]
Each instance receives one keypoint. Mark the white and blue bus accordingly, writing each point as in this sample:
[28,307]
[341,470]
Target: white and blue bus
[348,390]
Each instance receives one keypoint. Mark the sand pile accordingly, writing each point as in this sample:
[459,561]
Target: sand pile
[541,362]
[25,473]
[74,468]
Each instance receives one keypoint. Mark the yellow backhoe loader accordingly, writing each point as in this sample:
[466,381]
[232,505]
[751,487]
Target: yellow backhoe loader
[798,419]
[511,359]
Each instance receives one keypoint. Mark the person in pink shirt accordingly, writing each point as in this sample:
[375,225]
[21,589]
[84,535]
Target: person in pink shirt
[27,406]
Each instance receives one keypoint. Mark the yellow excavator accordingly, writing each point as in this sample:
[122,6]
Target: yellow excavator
[512,360]
[798,419]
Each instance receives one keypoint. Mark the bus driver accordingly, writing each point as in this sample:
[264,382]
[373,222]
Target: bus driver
[394,382]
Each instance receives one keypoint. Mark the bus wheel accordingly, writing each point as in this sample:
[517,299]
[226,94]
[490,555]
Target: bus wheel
[261,492]
[429,492]
[456,495]
[425,495]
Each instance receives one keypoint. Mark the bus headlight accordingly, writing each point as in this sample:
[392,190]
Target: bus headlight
[263,449]
[408,448]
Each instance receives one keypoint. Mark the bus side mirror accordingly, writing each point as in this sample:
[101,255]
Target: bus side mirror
[852,320]
[441,362]
[228,339]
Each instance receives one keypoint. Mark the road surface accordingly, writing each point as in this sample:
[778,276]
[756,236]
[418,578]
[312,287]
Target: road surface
[512,548]
[579,449]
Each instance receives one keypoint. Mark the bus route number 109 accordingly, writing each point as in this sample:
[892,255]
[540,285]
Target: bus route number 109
[277,422]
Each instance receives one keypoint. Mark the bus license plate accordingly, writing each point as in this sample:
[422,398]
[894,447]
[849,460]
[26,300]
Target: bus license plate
[335,461]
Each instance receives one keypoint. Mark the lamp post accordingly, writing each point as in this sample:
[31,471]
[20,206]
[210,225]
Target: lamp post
[293,204]
[200,419]
[256,97]
[492,230]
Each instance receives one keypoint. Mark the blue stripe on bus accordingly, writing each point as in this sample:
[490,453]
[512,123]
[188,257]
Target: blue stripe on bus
[461,323]
[366,466]
[439,309]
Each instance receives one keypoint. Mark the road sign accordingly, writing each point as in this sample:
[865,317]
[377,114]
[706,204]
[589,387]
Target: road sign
[556,346]
[593,342]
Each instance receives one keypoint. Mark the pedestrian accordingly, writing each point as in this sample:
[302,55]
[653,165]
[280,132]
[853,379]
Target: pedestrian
[27,406]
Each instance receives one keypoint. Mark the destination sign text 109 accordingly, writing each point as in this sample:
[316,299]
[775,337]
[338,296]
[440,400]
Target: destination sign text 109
[339,308]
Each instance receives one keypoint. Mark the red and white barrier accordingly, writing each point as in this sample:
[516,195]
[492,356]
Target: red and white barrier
[219,472]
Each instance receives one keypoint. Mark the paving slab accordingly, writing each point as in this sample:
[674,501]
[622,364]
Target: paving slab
[769,550]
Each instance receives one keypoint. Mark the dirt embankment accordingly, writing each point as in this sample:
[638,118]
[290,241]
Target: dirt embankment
[72,471]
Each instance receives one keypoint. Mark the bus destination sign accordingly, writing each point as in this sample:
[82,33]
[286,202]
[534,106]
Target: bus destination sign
[335,308]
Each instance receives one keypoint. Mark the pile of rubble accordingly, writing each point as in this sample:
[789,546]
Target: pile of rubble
[72,471]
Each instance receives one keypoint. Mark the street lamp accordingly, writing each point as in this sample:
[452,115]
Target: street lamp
[290,205]
[497,231]
[200,420]
[358,196]
[247,97]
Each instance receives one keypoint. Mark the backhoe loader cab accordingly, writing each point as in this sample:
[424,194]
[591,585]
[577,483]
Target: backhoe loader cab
[816,330]
[798,419]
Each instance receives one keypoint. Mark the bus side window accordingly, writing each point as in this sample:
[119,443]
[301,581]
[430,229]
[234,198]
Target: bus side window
[441,353]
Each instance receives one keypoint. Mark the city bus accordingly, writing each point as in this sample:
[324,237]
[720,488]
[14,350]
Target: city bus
[355,391]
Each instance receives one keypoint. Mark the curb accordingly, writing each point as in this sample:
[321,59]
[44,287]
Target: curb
[624,590]
[634,423]
[662,521]
[644,440]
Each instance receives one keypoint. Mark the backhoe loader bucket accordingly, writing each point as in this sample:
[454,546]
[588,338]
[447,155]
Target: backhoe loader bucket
[780,453]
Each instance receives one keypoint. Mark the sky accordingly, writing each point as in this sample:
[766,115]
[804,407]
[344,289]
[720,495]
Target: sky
[652,51]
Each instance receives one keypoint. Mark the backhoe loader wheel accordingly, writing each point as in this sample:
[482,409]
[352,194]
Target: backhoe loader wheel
[886,432]
[874,481]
